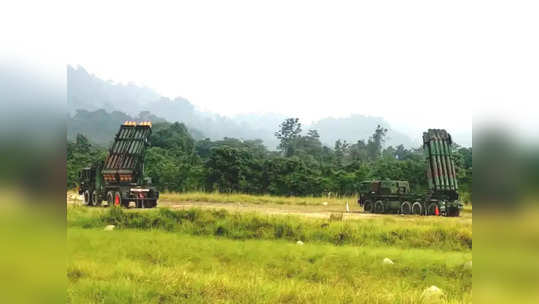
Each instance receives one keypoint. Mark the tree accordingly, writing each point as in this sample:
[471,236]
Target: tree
[304,166]
[289,132]
[80,154]
[342,149]
[229,169]
[375,143]
[174,137]
[358,151]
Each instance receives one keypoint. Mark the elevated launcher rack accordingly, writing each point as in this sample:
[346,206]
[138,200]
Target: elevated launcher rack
[125,160]
[441,172]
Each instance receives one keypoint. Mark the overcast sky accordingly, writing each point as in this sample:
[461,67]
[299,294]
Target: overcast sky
[418,64]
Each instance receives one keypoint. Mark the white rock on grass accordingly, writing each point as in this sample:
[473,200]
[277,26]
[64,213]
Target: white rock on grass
[325,203]
[300,243]
[109,228]
[388,261]
[432,294]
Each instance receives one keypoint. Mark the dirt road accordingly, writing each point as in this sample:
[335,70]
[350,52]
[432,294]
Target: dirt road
[277,209]
[313,211]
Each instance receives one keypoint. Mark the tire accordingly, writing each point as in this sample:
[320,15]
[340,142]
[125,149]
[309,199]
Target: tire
[368,207]
[406,208]
[417,209]
[110,199]
[117,199]
[87,198]
[151,203]
[379,207]
[431,210]
[453,212]
[96,200]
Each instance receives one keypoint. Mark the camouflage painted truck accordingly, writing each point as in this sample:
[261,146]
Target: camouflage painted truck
[119,180]
[393,196]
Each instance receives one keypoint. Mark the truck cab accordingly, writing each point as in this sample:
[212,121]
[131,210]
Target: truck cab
[384,187]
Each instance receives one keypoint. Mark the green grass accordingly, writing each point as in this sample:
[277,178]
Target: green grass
[414,232]
[215,197]
[132,266]
[214,256]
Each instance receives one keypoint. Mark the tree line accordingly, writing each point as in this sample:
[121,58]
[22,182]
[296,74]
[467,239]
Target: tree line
[301,166]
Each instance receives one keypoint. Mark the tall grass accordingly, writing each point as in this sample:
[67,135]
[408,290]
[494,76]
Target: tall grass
[140,266]
[421,232]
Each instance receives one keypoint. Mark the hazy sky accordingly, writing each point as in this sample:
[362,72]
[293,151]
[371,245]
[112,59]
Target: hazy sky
[418,64]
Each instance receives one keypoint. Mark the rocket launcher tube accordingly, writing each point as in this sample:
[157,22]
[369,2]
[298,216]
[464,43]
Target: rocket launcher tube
[428,165]
[124,142]
[112,155]
[451,162]
[453,170]
[449,166]
[132,142]
[434,165]
[436,157]
[119,155]
[110,158]
[443,161]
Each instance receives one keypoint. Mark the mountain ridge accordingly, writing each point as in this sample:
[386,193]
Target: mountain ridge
[87,92]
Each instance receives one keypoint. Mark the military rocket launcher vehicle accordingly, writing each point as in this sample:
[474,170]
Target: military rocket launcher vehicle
[119,179]
[391,196]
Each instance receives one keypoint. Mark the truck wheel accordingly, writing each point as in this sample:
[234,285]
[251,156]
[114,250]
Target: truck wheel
[417,208]
[87,197]
[406,208]
[96,200]
[431,210]
[117,199]
[368,207]
[379,207]
[110,198]
[453,211]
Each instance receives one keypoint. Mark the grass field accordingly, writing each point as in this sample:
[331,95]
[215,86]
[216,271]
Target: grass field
[215,256]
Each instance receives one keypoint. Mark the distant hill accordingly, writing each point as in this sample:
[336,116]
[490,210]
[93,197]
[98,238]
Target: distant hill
[100,126]
[97,107]
[356,127]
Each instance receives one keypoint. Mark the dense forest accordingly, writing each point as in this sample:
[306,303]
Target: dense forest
[302,165]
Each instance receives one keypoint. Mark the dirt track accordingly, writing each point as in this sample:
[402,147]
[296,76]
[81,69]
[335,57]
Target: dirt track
[277,209]
[309,211]
[274,209]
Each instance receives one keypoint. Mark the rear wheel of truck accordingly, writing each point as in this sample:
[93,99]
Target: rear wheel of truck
[96,200]
[368,207]
[406,208]
[417,208]
[117,199]
[110,198]
[87,197]
[379,207]
[453,211]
